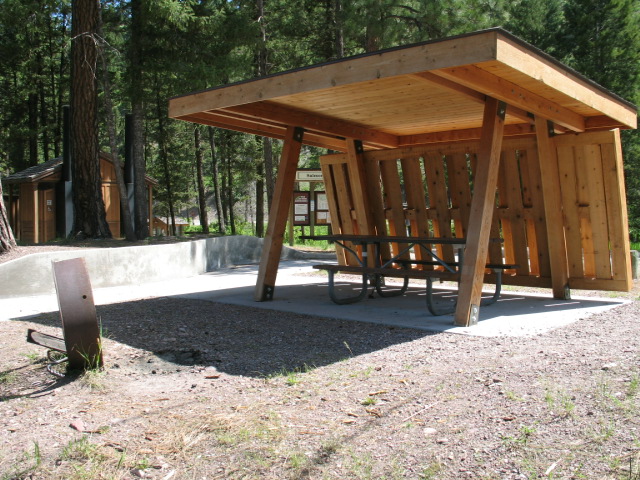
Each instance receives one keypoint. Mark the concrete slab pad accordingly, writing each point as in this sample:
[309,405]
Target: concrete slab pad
[302,290]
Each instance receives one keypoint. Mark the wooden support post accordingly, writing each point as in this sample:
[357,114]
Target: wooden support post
[481,214]
[278,214]
[36,214]
[552,199]
[359,191]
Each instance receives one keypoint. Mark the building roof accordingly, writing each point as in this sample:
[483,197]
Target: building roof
[421,93]
[45,169]
[35,173]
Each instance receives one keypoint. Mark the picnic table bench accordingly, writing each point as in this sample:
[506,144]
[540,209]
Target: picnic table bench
[400,265]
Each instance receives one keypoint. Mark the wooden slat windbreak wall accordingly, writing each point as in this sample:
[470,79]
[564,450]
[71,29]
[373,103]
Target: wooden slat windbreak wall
[595,210]
[426,191]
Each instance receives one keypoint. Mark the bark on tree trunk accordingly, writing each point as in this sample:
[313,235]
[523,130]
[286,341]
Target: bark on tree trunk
[260,200]
[125,213]
[339,31]
[202,198]
[230,202]
[33,128]
[267,150]
[89,212]
[7,240]
[141,209]
[164,158]
[216,183]
[262,69]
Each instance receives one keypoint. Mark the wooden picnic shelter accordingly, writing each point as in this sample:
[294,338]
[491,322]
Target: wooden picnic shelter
[477,136]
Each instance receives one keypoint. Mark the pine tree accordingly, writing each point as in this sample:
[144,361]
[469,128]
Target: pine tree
[89,211]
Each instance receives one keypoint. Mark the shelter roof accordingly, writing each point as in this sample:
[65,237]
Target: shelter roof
[422,93]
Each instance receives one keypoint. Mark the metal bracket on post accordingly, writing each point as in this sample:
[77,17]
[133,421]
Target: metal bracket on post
[298,134]
[502,110]
[267,293]
[82,340]
[473,315]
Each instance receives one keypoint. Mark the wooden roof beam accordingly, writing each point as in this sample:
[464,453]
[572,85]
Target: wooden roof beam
[290,116]
[514,130]
[471,94]
[506,91]
[264,129]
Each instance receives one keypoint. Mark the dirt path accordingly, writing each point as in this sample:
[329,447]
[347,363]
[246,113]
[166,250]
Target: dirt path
[194,389]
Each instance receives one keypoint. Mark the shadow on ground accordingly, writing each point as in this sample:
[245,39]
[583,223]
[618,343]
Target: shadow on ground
[237,340]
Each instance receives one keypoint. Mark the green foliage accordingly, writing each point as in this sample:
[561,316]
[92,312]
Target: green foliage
[188,46]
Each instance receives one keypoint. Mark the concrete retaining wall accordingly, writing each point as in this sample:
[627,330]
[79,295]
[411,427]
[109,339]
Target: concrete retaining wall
[108,267]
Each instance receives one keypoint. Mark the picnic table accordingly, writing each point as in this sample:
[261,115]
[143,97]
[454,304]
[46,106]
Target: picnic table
[374,269]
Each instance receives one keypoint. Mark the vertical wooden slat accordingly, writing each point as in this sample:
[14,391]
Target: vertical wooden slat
[459,190]
[481,214]
[415,197]
[537,228]
[434,170]
[613,172]
[569,192]
[393,202]
[374,189]
[345,206]
[273,240]
[330,190]
[583,212]
[513,194]
[358,187]
[359,191]
[598,211]
[553,210]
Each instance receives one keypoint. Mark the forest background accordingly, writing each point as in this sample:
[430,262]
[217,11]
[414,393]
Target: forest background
[152,50]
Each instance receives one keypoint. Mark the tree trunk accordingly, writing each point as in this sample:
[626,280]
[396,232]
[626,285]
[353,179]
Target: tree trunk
[164,159]
[7,240]
[269,179]
[125,213]
[230,202]
[339,30]
[141,200]
[216,183]
[262,69]
[43,111]
[202,199]
[33,128]
[259,200]
[89,212]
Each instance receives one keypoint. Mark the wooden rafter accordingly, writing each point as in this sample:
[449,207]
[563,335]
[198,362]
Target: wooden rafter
[270,111]
[506,91]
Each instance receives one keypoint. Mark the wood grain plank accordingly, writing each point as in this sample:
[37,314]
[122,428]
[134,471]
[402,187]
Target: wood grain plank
[332,201]
[613,171]
[459,189]
[435,174]
[278,215]
[481,214]
[551,194]
[517,221]
[598,211]
[416,202]
[393,201]
[536,225]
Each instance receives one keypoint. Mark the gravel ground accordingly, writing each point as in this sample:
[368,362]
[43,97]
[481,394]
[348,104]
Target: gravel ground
[194,389]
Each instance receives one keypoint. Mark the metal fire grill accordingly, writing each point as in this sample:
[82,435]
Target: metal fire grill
[81,343]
